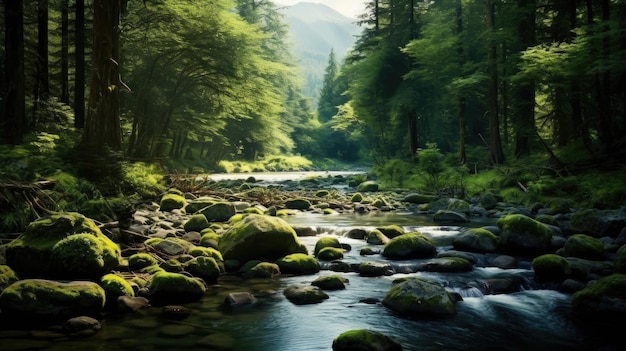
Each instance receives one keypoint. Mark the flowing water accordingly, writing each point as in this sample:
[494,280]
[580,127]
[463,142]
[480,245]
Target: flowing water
[524,320]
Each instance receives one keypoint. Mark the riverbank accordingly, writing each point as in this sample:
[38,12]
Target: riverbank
[496,270]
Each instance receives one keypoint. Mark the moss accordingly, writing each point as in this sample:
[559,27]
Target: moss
[551,267]
[203,267]
[206,252]
[7,277]
[115,286]
[83,256]
[196,205]
[175,288]
[326,241]
[365,340]
[209,239]
[172,201]
[298,263]
[330,282]
[329,212]
[605,298]
[356,197]
[219,211]
[253,210]
[285,212]
[46,297]
[391,231]
[585,221]
[322,193]
[521,233]
[457,205]
[196,223]
[172,265]
[368,186]
[330,254]
[141,260]
[408,246]
[298,204]
[547,219]
[418,297]
[584,246]
[476,239]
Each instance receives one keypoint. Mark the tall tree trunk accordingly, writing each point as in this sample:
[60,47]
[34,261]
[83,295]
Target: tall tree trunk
[65,90]
[462,105]
[495,143]
[103,126]
[524,113]
[412,123]
[79,74]
[13,123]
[606,123]
[42,50]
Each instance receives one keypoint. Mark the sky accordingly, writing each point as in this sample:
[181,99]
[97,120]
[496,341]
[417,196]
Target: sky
[350,8]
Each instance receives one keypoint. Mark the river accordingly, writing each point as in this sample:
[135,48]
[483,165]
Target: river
[524,320]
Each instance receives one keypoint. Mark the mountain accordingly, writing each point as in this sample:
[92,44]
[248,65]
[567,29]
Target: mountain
[315,29]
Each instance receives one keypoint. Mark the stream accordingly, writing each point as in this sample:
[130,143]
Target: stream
[524,320]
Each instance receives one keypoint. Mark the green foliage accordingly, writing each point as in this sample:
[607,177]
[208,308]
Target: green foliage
[431,162]
[144,179]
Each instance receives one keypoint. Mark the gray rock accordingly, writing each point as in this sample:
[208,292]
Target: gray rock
[450,216]
[416,297]
[304,294]
[239,299]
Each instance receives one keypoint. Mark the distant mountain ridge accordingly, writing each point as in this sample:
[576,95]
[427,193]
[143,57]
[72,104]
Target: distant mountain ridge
[315,29]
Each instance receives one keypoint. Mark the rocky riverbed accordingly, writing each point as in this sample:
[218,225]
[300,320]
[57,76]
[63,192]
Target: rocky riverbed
[66,275]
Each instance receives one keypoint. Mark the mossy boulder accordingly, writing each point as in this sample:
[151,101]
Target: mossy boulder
[259,237]
[523,234]
[364,340]
[374,269]
[391,231]
[196,223]
[409,246]
[415,198]
[304,294]
[447,265]
[460,206]
[326,241]
[488,201]
[417,297]
[48,299]
[170,202]
[115,286]
[196,205]
[356,197]
[449,216]
[587,221]
[620,260]
[583,246]
[330,254]
[376,237]
[209,238]
[7,276]
[65,245]
[368,186]
[298,204]
[603,301]
[175,288]
[141,260]
[299,264]
[206,252]
[476,240]
[263,270]
[551,267]
[330,282]
[219,212]
[204,267]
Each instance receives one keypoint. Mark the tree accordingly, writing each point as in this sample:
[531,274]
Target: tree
[79,71]
[14,123]
[102,126]
[329,99]
[495,144]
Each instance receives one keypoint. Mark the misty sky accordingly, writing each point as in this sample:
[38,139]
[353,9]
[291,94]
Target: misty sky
[350,8]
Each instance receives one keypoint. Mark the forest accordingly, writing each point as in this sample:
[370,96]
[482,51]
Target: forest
[104,97]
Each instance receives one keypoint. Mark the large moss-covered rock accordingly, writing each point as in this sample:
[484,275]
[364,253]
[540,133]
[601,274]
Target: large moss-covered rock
[416,198]
[375,269]
[520,233]
[141,260]
[368,186]
[376,237]
[196,205]
[196,223]
[364,340]
[326,241]
[446,265]
[175,288]
[330,254]
[304,294]
[477,240]
[219,212]
[409,246]
[417,297]
[583,246]
[603,301]
[171,202]
[299,264]
[330,282]
[259,237]
[204,267]
[115,286]
[551,267]
[33,298]
[391,231]
[298,204]
[262,270]
[65,245]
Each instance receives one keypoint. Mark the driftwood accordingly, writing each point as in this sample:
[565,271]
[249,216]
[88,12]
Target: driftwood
[14,194]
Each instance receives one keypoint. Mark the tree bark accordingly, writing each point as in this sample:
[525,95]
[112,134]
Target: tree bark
[103,126]
[495,143]
[79,74]
[65,90]
[13,123]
